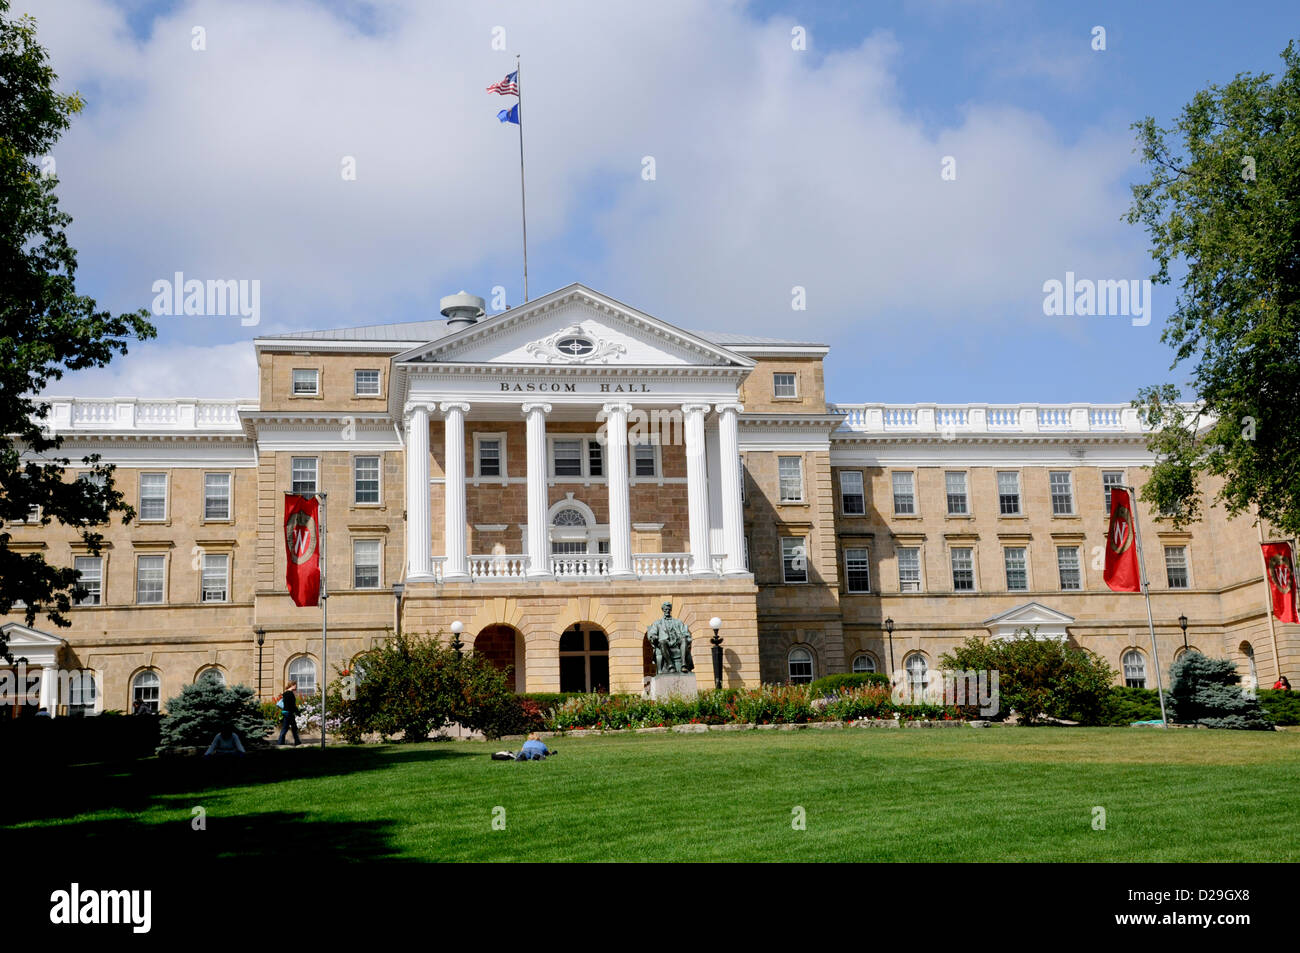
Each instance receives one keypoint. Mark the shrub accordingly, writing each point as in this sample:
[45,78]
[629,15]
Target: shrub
[1205,691]
[35,742]
[207,706]
[830,683]
[1282,708]
[1124,705]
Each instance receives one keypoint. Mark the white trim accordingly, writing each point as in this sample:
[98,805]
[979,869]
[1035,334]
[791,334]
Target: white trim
[504,476]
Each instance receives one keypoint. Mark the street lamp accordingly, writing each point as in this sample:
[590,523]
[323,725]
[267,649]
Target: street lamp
[457,628]
[1182,622]
[261,640]
[716,642]
[889,627]
[398,589]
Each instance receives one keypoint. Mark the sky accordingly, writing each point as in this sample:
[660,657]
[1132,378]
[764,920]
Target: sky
[897,180]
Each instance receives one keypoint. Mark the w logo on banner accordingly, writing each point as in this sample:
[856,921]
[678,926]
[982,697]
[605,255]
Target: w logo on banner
[1121,530]
[1122,573]
[302,548]
[1279,559]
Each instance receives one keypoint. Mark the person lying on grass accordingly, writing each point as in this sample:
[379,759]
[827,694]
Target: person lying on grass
[534,749]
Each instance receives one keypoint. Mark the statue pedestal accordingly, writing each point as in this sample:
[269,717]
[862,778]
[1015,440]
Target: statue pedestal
[663,687]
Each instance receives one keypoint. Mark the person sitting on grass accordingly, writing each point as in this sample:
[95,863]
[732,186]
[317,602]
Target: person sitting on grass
[534,749]
[225,743]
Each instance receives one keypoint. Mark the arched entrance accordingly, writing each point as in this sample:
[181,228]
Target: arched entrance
[584,658]
[503,646]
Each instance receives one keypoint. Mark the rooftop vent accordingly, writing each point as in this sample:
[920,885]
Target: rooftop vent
[461,310]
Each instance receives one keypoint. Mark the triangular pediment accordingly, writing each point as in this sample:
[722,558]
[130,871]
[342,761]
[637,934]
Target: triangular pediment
[574,326]
[1045,622]
[19,636]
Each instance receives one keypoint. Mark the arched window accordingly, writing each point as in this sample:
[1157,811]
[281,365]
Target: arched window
[215,674]
[584,659]
[1135,669]
[82,692]
[801,665]
[862,662]
[918,673]
[146,691]
[303,671]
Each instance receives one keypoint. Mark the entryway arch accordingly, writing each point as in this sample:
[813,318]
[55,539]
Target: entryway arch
[584,658]
[503,646]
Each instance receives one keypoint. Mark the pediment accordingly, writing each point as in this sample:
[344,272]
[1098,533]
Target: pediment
[1030,614]
[574,327]
[18,635]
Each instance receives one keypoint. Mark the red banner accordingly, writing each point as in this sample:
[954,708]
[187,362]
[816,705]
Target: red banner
[1122,573]
[302,546]
[1280,564]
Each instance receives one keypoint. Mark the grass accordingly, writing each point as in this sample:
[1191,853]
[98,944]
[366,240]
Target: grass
[868,795]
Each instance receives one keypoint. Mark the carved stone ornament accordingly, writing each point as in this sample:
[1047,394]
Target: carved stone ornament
[574,345]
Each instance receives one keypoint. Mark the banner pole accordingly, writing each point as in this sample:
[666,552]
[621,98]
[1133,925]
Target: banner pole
[1268,598]
[1146,591]
[324,622]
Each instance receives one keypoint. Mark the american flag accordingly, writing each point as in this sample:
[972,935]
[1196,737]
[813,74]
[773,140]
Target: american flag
[508,86]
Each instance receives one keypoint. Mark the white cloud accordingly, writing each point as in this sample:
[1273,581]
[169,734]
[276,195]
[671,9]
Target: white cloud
[155,369]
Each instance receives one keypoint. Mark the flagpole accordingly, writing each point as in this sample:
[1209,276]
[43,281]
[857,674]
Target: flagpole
[523,203]
[1268,596]
[324,619]
[1146,591]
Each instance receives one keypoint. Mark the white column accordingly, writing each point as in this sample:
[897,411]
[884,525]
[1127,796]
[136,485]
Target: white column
[733,521]
[539,556]
[49,700]
[456,568]
[620,508]
[418,526]
[697,489]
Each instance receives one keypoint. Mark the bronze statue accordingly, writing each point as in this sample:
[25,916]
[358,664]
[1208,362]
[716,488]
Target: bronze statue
[671,641]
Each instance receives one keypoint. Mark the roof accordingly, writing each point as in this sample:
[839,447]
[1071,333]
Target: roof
[408,331]
[726,338]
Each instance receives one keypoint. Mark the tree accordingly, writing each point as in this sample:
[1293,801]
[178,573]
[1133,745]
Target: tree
[1221,204]
[206,707]
[46,328]
[1205,691]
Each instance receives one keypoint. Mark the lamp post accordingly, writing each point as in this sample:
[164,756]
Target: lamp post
[261,640]
[398,589]
[889,627]
[1182,622]
[716,642]
[457,628]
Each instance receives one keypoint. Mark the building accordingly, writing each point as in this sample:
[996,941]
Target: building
[549,475]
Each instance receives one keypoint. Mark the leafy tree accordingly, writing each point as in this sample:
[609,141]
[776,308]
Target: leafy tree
[206,707]
[46,328]
[1221,204]
[1205,691]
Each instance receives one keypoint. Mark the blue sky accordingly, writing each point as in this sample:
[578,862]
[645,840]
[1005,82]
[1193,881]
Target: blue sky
[774,168]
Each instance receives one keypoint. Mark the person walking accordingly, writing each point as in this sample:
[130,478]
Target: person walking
[289,702]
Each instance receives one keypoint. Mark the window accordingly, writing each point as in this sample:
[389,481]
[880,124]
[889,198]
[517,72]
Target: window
[303,476]
[852,500]
[596,459]
[643,460]
[857,577]
[306,382]
[790,473]
[864,663]
[146,690]
[1062,493]
[489,455]
[904,496]
[741,462]
[1110,478]
[92,578]
[1008,493]
[963,570]
[1067,565]
[568,458]
[213,674]
[794,559]
[365,563]
[1017,570]
[747,569]
[81,693]
[216,496]
[1135,669]
[784,385]
[216,577]
[367,383]
[909,569]
[365,479]
[1176,566]
[149,573]
[153,496]
[584,660]
[918,674]
[303,671]
[801,666]
[956,486]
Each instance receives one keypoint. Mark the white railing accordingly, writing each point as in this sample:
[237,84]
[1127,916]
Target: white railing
[585,565]
[130,413]
[951,419]
[662,564]
[498,567]
[490,568]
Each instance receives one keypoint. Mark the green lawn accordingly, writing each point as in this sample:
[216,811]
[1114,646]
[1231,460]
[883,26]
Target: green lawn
[937,794]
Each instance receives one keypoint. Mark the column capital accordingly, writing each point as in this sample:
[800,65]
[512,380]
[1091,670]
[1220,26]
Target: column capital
[532,405]
[617,407]
[732,405]
[460,405]
[696,408]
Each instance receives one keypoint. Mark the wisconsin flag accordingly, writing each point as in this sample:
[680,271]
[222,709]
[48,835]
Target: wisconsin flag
[1280,563]
[302,546]
[510,115]
[1122,573]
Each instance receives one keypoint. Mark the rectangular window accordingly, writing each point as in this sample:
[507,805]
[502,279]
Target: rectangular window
[1110,478]
[149,572]
[1176,566]
[747,569]
[489,456]
[595,458]
[741,462]
[794,559]
[1062,493]
[365,563]
[904,495]
[153,496]
[303,476]
[857,576]
[852,500]
[955,482]
[1067,565]
[909,569]
[367,383]
[306,382]
[1008,493]
[92,578]
[216,496]
[1017,570]
[568,458]
[790,472]
[365,479]
[643,460]
[216,577]
[963,570]
[783,385]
